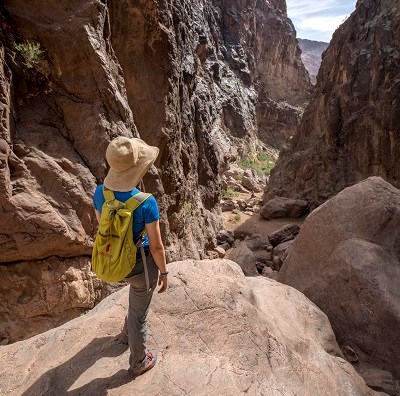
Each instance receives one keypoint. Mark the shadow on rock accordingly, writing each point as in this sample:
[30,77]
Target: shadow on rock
[58,380]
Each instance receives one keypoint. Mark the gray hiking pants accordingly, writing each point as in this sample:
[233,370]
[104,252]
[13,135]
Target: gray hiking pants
[139,302]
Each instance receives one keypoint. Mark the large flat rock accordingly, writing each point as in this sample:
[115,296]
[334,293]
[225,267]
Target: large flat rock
[217,333]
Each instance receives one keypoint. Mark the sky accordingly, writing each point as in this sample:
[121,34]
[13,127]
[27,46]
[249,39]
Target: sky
[318,19]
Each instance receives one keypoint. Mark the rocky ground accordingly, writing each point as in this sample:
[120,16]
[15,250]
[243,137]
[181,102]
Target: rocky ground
[257,244]
[271,339]
[216,331]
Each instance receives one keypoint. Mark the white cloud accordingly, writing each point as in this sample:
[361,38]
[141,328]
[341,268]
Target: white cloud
[322,23]
[307,7]
[317,20]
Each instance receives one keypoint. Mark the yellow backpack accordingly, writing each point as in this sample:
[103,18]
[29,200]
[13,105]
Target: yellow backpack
[114,252]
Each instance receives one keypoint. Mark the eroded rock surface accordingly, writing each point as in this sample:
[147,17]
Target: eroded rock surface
[346,259]
[37,297]
[311,55]
[195,77]
[351,128]
[232,336]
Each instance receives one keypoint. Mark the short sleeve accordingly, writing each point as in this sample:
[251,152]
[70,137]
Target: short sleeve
[150,210]
[98,198]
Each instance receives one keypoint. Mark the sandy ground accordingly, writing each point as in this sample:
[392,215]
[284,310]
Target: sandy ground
[253,225]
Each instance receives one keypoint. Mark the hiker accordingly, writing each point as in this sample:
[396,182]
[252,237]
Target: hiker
[129,160]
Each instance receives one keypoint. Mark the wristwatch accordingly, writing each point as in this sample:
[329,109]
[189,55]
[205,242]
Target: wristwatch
[164,273]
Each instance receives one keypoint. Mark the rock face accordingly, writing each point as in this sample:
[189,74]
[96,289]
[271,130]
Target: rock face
[284,82]
[233,336]
[346,259]
[351,128]
[57,118]
[187,79]
[311,55]
[37,297]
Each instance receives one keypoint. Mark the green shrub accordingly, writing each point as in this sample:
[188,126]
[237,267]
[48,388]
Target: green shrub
[187,207]
[31,52]
[262,163]
[238,217]
[239,177]
[229,193]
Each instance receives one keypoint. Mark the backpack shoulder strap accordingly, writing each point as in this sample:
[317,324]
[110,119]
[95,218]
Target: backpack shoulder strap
[135,201]
[108,194]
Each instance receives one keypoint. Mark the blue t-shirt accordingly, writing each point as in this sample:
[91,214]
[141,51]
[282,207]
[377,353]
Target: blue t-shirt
[146,213]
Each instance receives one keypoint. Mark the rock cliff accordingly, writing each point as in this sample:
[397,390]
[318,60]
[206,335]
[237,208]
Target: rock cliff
[311,55]
[187,79]
[351,128]
[216,332]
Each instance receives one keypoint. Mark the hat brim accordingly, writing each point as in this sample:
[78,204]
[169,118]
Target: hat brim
[129,179]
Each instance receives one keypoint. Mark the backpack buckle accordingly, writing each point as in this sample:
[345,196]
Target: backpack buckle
[115,206]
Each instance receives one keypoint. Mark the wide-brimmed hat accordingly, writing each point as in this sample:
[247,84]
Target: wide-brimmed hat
[129,160]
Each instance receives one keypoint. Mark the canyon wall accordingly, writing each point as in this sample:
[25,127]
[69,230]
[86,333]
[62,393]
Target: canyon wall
[201,80]
[59,109]
[311,55]
[351,128]
[187,79]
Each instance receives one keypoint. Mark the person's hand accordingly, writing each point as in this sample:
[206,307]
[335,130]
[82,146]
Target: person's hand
[163,282]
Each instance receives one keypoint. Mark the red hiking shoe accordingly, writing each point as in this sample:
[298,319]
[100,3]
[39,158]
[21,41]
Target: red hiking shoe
[148,363]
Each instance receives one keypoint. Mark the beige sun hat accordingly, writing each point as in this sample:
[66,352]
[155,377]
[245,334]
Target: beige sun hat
[129,160]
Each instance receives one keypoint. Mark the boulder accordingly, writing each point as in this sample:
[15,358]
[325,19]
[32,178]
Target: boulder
[276,263]
[285,233]
[267,271]
[243,256]
[228,205]
[241,204]
[282,250]
[212,254]
[263,256]
[234,172]
[346,259]
[250,181]
[279,207]
[216,332]
[221,251]
[380,380]
[256,242]
[230,182]
[225,236]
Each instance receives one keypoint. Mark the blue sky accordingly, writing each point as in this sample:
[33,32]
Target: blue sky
[318,19]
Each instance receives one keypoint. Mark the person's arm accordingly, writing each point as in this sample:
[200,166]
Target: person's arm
[97,215]
[158,253]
